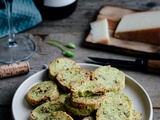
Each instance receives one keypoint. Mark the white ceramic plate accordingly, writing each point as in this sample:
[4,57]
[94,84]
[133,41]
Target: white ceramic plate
[21,109]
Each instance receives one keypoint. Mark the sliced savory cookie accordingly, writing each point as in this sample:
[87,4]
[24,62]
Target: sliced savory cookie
[89,118]
[59,64]
[118,106]
[87,88]
[65,77]
[44,110]
[58,115]
[91,102]
[114,79]
[42,92]
[77,111]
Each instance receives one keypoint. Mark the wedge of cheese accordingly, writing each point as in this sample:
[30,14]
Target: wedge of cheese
[142,27]
[99,31]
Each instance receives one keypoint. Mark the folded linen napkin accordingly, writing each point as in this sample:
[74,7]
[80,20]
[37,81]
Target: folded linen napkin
[25,15]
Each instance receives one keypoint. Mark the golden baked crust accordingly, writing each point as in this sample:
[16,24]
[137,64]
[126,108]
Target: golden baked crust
[87,94]
[81,112]
[59,115]
[42,92]
[91,102]
[86,88]
[44,110]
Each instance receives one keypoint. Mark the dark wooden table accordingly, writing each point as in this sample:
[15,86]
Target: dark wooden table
[75,29]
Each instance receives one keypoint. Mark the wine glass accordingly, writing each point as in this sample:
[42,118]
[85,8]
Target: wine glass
[15,47]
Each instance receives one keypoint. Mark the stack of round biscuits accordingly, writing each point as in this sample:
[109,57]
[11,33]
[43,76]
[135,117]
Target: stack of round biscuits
[85,97]
[75,93]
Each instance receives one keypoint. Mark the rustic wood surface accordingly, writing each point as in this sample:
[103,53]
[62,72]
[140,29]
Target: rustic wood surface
[75,29]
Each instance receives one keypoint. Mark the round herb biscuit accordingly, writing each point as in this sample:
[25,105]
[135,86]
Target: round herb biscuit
[118,106]
[59,64]
[58,115]
[87,94]
[42,92]
[114,79]
[44,110]
[91,102]
[87,88]
[73,111]
[66,76]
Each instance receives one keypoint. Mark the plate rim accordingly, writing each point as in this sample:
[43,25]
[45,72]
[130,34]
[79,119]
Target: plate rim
[82,64]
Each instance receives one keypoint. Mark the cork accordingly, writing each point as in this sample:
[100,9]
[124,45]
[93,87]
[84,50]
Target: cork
[14,69]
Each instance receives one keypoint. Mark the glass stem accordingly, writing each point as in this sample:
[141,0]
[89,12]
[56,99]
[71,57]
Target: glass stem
[11,40]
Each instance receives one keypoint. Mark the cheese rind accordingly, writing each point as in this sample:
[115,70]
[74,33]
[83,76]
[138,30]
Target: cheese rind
[99,31]
[142,27]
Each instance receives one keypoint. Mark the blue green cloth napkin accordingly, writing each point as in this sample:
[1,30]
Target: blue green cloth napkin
[25,15]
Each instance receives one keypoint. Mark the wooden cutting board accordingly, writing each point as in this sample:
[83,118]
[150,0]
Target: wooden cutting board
[113,15]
